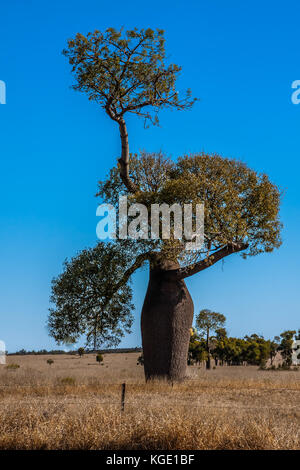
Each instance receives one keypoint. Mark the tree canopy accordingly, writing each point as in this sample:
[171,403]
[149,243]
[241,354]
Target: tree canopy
[208,322]
[125,71]
[241,207]
[89,301]
[286,344]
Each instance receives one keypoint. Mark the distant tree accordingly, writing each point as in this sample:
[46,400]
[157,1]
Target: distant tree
[285,347]
[81,352]
[197,351]
[88,299]
[218,352]
[22,352]
[274,348]
[234,351]
[252,350]
[257,350]
[208,322]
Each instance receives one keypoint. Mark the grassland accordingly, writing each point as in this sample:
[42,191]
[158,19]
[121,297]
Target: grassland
[75,404]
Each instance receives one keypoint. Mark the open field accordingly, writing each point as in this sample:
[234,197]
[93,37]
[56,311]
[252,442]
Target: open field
[75,404]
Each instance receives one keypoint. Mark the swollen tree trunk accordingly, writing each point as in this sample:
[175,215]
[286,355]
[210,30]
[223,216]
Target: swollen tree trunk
[167,317]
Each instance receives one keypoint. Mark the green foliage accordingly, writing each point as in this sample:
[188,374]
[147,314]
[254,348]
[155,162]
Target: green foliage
[99,358]
[208,322]
[50,361]
[285,347]
[197,350]
[88,300]
[220,334]
[252,350]
[125,71]
[240,205]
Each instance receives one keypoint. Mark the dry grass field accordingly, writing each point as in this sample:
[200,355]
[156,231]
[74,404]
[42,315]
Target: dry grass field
[75,404]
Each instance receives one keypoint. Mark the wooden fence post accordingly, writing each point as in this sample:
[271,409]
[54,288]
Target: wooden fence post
[123,397]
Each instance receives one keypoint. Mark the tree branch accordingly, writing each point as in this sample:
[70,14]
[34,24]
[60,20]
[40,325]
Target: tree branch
[124,160]
[228,249]
[140,259]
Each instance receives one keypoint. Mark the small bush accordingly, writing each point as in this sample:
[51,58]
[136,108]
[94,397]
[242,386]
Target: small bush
[99,358]
[140,360]
[67,381]
[50,361]
[81,352]
[12,366]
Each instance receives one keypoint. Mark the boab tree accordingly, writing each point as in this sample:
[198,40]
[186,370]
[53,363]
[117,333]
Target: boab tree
[126,73]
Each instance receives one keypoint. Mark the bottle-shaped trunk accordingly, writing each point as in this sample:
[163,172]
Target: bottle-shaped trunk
[167,317]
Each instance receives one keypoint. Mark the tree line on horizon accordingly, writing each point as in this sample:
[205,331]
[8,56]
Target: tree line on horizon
[210,341]
[24,352]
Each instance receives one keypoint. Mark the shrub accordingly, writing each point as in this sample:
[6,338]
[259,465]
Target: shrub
[99,358]
[81,352]
[67,381]
[140,360]
[50,361]
[12,366]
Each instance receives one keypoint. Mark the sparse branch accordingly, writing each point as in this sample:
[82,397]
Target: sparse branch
[140,259]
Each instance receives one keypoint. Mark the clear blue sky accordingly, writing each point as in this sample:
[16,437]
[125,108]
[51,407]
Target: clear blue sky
[239,58]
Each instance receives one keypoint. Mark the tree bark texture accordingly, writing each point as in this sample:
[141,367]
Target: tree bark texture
[167,317]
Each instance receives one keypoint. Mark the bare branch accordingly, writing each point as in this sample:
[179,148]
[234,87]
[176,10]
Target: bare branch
[227,250]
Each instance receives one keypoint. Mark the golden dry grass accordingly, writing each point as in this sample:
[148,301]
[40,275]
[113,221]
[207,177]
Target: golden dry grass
[226,408]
